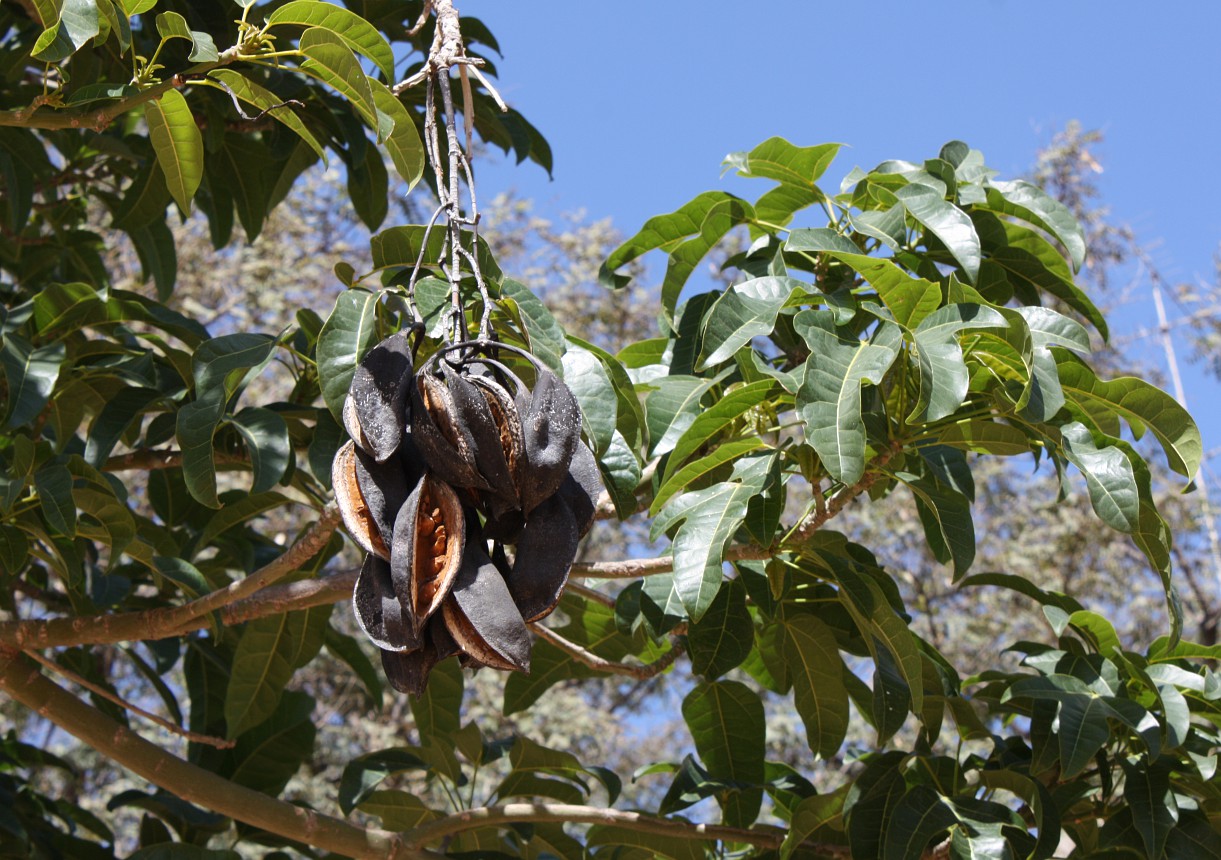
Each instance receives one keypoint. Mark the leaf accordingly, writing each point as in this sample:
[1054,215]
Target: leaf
[265,100]
[829,401]
[348,650]
[743,312]
[266,757]
[266,436]
[722,639]
[269,651]
[919,815]
[356,32]
[706,521]
[1108,476]
[178,145]
[1141,404]
[670,409]
[725,453]
[707,218]
[438,712]
[154,245]
[403,143]
[795,168]
[944,379]
[590,384]
[30,374]
[398,810]
[77,22]
[54,486]
[332,62]
[948,526]
[818,687]
[171,25]
[728,726]
[349,332]
[621,474]
[363,774]
[947,222]
[716,418]
[1031,203]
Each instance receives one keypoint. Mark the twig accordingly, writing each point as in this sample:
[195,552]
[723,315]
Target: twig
[500,103]
[219,743]
[149,459]
[22,680]
[601,664]
[590,594]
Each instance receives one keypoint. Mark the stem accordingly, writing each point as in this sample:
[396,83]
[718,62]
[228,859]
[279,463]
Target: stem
[23,682]
[601,664]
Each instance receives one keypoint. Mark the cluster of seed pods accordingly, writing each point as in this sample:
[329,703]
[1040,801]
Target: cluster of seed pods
[468,491]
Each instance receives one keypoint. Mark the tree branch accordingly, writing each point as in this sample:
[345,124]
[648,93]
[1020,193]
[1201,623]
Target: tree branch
[148,459]
[172,620]
[26,684]
[509,813]
[641,672]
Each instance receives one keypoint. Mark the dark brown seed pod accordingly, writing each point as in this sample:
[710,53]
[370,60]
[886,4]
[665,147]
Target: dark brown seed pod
[545,551]
[408,672]
[380,394]
[356,514]
[482,617]
[490,413]
[384,488]
[551,429]
[444,441]
[379,612]
[426,553]
[352,424]
[582,487]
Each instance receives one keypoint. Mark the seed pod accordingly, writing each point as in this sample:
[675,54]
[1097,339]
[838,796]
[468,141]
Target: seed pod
[384,488]
[380,394]
[545,551]
[498,436]
[582,487]
[482,617]
[426,553]
[443,439]
[352,505]
[408,672]
[352,424]
[551,429]
[379,612]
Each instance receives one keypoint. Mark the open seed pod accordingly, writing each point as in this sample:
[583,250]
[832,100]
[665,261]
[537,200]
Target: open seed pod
[428,545]
[384,488]
[379,612]
[482,617]
[380,395]
[545,551]
[408,672]
[357,516]
[551,430]
[491,415]
[582,487]
[442,436]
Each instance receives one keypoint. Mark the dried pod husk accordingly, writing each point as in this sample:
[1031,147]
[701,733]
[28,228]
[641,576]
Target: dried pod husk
[426,553]
[500,446]
[408,672]
[352,424]
[384,489]
[379,612]
[582,487]
[357,516]
[545,552]
[381,395]
[482,617]
[443,439]
[551,430]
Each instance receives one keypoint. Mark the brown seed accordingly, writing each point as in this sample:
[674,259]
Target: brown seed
[438,547]
[427,525]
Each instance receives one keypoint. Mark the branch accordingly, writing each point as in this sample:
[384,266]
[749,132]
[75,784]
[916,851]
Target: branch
[642,672]
[149,459]
[23,682]
[509,813]
[171,620]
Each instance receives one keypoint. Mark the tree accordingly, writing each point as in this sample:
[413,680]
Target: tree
[169,542]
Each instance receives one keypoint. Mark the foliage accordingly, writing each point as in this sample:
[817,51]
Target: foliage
[877,354]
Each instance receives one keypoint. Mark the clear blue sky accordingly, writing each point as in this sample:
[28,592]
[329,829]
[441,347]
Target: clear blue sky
[641,101]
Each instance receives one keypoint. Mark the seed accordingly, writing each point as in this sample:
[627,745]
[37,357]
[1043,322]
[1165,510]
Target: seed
[438,547]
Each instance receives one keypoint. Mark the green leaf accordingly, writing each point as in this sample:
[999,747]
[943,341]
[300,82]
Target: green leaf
[349,332]
[54,486]
[1108,475]
[30,374]
[948,526]
[725,453]
[722,639]
[239,512]
[77,22]
[265,100]
[671,408]
[944,379]
[349,651]
[818,687]
[331,61]
[397,810]
[707,218]
[1141,404]
[706,521]
[728,726]
[716,418]
[403,144]
[947,222]
[178,144]
[1031,203]
[830,398]
[744,312]
[269,651]
[543,333]
[919,815]
[621,474]
[590,384]
[795,168]
[1023,586]
[908,299]
[183,574]
[154,245]
[266,757]
[171,25]
[363,774]
[438,712]
[357,33]
[266,436]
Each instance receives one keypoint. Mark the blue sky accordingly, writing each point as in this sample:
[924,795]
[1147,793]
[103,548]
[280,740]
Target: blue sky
[641,101]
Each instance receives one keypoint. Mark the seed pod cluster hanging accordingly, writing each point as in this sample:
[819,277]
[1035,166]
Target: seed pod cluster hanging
[468,491]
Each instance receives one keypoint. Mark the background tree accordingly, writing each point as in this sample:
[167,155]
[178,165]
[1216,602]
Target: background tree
[859,373]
